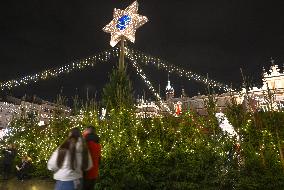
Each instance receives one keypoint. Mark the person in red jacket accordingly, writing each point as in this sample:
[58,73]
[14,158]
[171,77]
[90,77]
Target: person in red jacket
[94,147]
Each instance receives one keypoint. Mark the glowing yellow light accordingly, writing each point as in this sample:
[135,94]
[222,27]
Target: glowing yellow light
[124,23]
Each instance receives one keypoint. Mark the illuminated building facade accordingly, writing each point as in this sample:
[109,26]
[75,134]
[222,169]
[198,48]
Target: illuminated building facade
[14,107]
[269,97]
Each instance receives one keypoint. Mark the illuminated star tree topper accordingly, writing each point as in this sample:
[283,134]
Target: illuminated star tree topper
[124,24]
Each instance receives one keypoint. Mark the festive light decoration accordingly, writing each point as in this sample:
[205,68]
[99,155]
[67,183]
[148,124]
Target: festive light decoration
[124,24]
[146,81]
[104,57]
[172,144]
[51,73]
[143,76]
[144,58]
[153,142]
[178,108]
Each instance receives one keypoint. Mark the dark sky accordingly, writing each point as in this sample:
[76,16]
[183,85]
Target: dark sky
[214,37]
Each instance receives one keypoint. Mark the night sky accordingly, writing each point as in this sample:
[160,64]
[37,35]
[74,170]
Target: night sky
[207,37]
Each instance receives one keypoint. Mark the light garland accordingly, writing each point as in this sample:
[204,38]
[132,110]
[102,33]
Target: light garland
[144,58]
[105,56]
[51,73]
[146,81]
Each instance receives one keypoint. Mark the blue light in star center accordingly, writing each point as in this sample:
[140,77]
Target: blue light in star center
[123,22]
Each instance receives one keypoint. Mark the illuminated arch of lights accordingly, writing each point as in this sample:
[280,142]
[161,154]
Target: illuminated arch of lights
[52,73]
[159,63]
[142,75]
[133,56]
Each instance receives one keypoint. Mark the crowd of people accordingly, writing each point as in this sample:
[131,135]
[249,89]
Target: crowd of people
[75,163]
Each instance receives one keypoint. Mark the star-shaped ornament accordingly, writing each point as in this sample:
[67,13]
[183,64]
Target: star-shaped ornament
[124,23]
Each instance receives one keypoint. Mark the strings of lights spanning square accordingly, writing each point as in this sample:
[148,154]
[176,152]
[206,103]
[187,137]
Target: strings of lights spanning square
[146,81]
[51,73]
[103,57]
[145,59]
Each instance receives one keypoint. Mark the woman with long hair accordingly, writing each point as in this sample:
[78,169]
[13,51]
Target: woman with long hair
[69,161]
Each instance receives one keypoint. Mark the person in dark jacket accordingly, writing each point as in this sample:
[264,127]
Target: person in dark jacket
[9,155]
[24,168]
[88,130]
[94,147]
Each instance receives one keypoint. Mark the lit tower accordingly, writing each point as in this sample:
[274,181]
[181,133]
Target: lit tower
[170,92]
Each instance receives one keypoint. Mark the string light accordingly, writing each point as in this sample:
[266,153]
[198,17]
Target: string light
[51,73]
[146,81]
[145,59]
[104,57]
